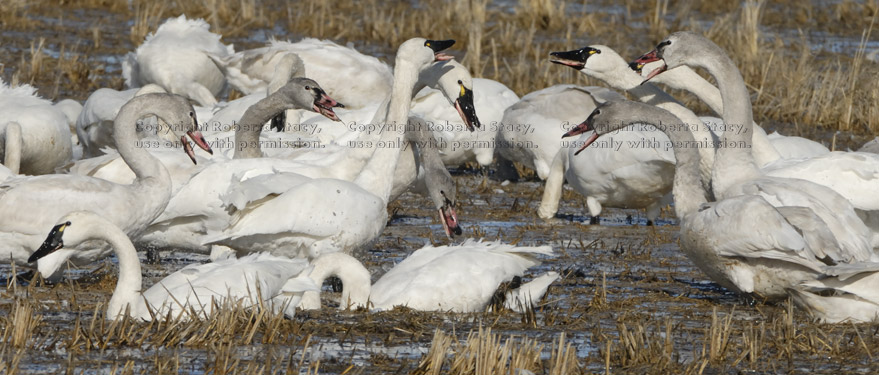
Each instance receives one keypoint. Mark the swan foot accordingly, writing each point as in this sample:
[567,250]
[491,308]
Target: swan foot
[629,220]
[650,223]
[594,220]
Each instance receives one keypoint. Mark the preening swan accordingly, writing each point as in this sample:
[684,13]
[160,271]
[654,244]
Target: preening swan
[259,70]
[34,135]
[735,171]
[258,280]
[742,242]
[458,278]
[35,203]
[175,58]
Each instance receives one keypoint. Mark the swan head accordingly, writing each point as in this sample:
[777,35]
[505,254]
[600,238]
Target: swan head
[420,51]
[55,251]
[455,82]
[615,115]
[576,58]
[671,52]
[303,92]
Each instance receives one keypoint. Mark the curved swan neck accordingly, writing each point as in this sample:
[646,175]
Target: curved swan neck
[437,179]
[251,124]
[144,165]
[688,190]
[12,148]
[684,78]
[355,278]
[734,162]
[129,285]
[377,176]
[288,67]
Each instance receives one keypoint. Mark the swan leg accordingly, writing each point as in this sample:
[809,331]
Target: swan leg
[594,210]
[552,190]
[12,147]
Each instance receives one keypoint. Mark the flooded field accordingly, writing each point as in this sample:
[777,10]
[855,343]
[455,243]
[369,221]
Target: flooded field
[628,301]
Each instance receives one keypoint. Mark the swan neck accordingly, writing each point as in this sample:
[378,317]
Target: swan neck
[141,162]
[734,161]
[12,147]
[247,132]
[688,190]
[377,176]
[355,278]
[129,285]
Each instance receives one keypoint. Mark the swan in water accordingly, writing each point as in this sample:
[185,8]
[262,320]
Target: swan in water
[735,171]
[35,203]
[743,242]
[458,278]
[175,57]
[193,291]
[34,135]
[338,214]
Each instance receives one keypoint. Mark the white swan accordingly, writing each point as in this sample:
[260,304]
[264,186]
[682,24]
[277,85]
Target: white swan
[735,172]
[338,215]
[175,58]
[259,280]
[742,242]
[71,109]
[34,135]
[35,203]
[458,278]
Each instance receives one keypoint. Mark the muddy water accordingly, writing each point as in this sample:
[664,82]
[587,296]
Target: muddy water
[619,272]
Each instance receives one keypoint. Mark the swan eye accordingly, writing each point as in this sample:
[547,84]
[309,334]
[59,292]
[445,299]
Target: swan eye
[663,44]
[460,83]
[191,114]
[308,87]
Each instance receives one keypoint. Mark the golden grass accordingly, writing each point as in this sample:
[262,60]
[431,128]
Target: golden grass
[485,353]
